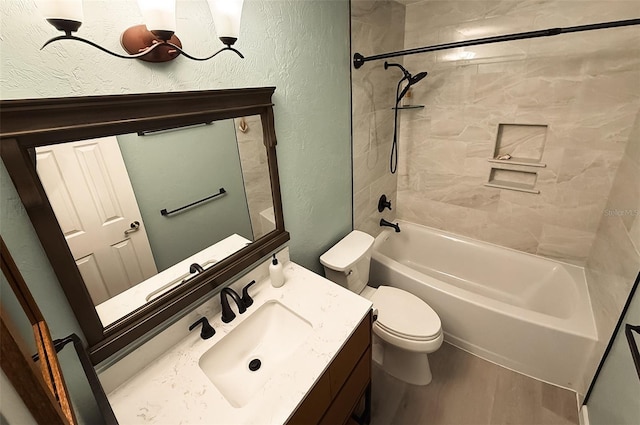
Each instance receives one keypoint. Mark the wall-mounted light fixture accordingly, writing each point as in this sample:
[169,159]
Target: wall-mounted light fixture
[154,41]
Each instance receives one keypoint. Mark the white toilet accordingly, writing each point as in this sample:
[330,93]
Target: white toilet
[407,329]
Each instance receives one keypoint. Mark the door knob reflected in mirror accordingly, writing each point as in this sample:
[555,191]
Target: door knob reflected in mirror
[134,227]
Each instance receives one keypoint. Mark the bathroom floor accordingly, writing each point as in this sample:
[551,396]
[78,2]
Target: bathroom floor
[468,390]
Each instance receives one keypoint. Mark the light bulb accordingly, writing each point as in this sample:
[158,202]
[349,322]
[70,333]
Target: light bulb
[226,17]
[159,16]
[65,15]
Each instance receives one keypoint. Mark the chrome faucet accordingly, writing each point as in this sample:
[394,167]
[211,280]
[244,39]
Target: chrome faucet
[227,313]
[195,268]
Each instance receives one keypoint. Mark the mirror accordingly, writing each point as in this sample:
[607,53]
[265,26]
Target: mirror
[136,205]
[202,170]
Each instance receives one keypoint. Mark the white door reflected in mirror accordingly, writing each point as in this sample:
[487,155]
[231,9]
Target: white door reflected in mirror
[91,195]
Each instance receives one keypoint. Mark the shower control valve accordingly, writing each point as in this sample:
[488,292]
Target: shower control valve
[383,203]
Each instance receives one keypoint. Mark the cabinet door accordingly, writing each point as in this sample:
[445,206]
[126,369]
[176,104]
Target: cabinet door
[338,390]
[314,405]
[347,398]
[349,356]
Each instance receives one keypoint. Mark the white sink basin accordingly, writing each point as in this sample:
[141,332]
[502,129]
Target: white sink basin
[266,340]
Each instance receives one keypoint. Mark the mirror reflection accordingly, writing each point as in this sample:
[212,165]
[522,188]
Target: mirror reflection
[108,194]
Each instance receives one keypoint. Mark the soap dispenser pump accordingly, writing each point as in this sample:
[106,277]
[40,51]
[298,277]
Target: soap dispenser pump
[275,273]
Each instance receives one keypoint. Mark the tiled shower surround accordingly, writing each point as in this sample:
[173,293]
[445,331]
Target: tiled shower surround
[584,87]
[581,90]
[614,261]
[255,170]
[376,26]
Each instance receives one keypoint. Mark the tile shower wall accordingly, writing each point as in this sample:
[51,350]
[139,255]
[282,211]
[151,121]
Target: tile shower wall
[376,27]
[614,261]
[255,171]
[584,87]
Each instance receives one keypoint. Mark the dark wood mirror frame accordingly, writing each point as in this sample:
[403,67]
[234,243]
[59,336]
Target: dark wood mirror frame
[30,123]
[45,393]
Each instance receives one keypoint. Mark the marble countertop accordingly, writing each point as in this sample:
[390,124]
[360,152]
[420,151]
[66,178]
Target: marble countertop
[173,389]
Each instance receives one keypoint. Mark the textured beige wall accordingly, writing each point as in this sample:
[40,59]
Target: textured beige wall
[584,87]
[376,27]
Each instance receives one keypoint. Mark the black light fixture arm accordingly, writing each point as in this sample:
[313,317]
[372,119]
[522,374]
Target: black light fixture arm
[208,57]
[97,46]
[359,60]
[148,50]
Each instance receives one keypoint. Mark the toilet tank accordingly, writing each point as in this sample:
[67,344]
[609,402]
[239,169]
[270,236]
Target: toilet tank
[347,262]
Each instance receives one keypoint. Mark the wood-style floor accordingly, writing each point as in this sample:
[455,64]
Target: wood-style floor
[468,390]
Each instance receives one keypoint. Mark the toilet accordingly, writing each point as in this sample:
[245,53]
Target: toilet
[406,329]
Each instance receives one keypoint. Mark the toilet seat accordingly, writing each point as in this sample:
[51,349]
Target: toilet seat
[405,316]
[405,336]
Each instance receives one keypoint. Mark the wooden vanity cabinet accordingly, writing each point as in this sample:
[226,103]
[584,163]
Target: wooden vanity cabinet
[337,392]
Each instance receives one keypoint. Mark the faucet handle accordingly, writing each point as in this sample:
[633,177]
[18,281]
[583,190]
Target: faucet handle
[383,203]
[246,298]
[207,330]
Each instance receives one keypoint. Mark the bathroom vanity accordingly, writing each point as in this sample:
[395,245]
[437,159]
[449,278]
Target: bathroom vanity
[299,354]
[342,385]
[311,337]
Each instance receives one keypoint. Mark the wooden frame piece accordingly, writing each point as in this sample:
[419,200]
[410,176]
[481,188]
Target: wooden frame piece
[54,405]
[27,380]
[27,124]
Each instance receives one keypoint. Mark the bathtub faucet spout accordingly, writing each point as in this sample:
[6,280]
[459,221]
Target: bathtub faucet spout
[384,222]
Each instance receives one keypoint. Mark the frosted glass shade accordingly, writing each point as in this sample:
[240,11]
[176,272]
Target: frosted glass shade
[70,10]
[226,17]
[159,15]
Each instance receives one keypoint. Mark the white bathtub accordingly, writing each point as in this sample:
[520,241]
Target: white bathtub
[521,311]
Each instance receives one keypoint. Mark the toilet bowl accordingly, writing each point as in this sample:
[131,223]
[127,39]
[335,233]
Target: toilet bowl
[406,328]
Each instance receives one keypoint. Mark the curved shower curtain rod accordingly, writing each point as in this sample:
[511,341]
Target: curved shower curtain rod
[359,60]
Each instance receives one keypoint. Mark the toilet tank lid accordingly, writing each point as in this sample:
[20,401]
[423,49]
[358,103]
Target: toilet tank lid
[346,252]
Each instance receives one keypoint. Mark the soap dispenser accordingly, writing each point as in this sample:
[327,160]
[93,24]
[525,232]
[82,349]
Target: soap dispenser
[275,273]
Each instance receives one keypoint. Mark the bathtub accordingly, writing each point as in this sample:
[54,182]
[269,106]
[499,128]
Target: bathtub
[524,312]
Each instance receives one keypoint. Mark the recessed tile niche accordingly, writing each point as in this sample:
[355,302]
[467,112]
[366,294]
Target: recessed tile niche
[518,146]
[524,181]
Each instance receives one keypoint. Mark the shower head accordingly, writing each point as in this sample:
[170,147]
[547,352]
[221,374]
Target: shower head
[411,79]
[419,76]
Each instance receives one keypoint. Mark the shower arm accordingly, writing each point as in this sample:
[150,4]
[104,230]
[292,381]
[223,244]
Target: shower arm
[359,59]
